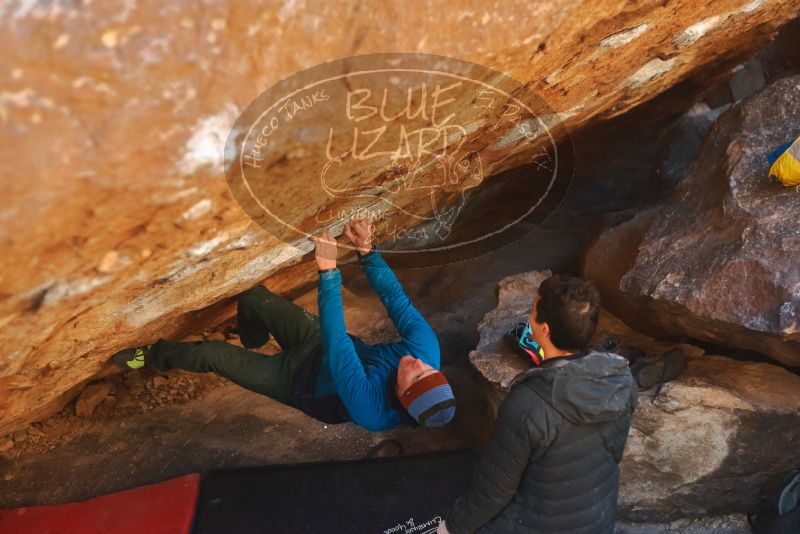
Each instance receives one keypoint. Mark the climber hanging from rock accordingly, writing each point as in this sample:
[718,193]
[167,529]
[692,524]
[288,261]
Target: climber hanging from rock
[322,370]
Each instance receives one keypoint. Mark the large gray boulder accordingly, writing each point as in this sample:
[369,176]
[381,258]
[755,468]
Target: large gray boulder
[710,439]
[720,261]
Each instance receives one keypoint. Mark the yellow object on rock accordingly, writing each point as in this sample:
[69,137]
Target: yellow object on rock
[786,167]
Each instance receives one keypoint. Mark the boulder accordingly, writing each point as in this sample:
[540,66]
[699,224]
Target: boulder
[720,261]
[678,145]
[703,445]
[117,223]
[91,396]
[493,358]
[710,439]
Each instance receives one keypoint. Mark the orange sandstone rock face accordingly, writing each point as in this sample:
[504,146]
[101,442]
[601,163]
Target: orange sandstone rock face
[117,222]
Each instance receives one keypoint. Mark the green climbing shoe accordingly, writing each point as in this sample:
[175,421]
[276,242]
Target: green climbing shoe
[134,358]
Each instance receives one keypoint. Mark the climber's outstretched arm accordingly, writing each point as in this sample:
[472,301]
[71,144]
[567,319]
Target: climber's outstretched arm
[417,334]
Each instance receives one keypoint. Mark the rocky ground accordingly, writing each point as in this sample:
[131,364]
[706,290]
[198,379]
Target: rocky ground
[724,524]
[114,399]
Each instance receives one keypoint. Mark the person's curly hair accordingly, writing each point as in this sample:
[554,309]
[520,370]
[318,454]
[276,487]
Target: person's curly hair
[571,307]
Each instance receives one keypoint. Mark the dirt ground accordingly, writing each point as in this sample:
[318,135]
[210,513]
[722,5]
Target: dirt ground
[225,427]
[120,397]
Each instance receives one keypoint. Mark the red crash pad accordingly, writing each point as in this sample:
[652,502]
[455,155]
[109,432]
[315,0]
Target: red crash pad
[163,508]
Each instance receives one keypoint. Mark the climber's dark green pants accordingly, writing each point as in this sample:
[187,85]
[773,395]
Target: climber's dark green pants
[259,314]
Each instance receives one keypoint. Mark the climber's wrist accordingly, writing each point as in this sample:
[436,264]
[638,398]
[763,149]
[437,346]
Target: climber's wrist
[366,252]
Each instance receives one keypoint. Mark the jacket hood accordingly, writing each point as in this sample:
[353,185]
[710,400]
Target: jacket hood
[586,388]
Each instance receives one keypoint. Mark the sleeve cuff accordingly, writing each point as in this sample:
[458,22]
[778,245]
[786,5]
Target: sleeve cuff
[329,274]
[372,254]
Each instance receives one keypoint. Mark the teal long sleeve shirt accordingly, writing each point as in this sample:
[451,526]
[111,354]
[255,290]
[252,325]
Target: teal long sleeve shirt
[358,372]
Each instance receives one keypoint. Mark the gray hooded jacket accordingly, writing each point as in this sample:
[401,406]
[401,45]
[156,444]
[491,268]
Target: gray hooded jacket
[552,462]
